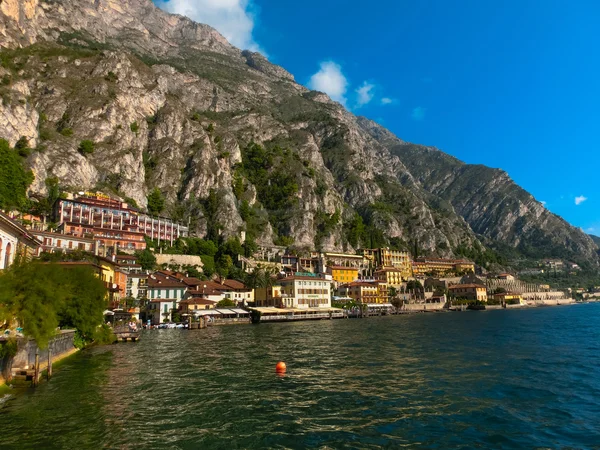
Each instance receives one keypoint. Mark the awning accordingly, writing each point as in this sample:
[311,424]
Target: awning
[240,311]
[207,312]
[108,313]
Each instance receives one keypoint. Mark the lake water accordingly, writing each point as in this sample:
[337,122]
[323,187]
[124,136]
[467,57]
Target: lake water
[494,379]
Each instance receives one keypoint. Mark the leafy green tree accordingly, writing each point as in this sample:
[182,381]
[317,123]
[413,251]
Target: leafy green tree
[44,296]
[86,147]
[14,179]
[22,147]
[226,303]
[355,230]
[156,202]
[232,247]
[223,265]
[146,259]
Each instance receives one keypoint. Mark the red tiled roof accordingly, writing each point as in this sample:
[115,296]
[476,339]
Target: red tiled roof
[234,284]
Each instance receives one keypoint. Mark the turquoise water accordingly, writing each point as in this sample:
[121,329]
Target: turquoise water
[495,379]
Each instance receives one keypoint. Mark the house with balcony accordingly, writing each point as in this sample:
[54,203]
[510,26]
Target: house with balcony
[164,293]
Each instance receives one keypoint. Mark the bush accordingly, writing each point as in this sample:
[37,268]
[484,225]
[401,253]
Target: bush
[67,132]
[45,134]
[111,77]
[134,127]
[14,179]
[156,202]
[86,147]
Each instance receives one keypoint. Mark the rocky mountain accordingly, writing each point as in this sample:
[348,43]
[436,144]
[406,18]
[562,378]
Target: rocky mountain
[121,96]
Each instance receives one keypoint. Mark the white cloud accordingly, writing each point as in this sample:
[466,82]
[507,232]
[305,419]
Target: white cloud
[331,80]
[543,203]
[232,18]
[590,230]
[419,113]
[387,101]
[365,94]
[579,200]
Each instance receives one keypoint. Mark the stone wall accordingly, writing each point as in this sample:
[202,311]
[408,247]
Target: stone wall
[60,346]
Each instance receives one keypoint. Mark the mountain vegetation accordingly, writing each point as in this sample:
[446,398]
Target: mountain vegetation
[164,112]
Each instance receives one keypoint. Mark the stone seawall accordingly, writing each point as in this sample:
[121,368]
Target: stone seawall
[60,347]
[415,307]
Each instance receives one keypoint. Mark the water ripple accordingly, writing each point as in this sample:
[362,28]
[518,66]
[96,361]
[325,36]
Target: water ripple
[502,379]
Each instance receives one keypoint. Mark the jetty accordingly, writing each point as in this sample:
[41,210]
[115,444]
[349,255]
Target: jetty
[125,334]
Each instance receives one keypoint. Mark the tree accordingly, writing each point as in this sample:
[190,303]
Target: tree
[44,296]
[146,259]
[14,179]
[86,147]
[156,202]
[226,303]
[223,265]
[22,147]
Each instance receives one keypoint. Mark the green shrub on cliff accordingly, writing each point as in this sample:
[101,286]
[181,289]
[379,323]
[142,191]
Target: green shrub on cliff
[14,179]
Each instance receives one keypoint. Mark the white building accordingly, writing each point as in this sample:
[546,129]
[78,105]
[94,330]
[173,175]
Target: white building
[52,242]
[165,293]
[305,292]
[14,240]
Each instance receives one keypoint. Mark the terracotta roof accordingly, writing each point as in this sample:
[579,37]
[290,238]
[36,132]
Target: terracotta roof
[234,284]
[21,232]
[192,281]
[158,280]
[343,268]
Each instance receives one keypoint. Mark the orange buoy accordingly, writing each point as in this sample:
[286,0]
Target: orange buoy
[280,367]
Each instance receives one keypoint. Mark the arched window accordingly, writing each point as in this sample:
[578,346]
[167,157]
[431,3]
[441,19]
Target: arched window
[8,255]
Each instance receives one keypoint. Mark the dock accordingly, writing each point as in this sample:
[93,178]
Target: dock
[124,334]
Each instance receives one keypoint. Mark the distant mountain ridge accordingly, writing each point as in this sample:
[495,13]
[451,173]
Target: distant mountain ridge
[171,104]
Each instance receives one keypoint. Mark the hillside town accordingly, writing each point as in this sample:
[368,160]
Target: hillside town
[108,236]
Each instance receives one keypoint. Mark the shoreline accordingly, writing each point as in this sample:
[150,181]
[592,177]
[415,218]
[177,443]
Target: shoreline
[7,387]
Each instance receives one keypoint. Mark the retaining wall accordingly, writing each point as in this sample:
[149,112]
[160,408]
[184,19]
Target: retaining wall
[61,346]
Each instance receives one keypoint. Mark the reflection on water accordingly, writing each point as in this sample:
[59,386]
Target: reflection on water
[512,379]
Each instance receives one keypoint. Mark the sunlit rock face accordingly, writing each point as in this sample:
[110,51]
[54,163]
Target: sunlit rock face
[169,103]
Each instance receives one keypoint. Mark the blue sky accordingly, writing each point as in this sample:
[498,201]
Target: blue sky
[511,84]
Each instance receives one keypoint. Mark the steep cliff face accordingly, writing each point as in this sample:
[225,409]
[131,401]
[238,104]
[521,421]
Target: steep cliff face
[171,104]
[491,203]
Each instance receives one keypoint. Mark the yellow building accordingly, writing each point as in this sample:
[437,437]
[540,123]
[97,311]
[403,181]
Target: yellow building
[390,275]
[365,292]
[384,257]
[269,296]
[361,291]
[439,266]
[469,292]
[509,298]
[342,274]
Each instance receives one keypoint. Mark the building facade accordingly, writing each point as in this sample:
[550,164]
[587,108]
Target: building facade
[469,292]
[305,292]
[115,224]
[52,242]
[390,276]
[342,274]
[15,241]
